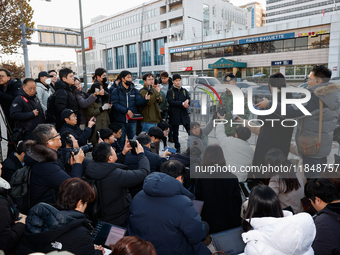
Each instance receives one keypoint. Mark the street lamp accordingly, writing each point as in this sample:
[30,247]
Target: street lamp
[202,39]
[106,56]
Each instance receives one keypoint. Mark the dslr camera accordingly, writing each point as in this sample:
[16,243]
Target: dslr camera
[86,148]
[18,134]
[133,145]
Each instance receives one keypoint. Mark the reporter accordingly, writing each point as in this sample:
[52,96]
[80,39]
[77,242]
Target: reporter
[64,227]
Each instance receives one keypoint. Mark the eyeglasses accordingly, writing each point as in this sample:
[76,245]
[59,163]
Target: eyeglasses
[58,134]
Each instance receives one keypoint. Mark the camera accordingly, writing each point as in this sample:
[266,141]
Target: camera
[221,110]
[18,134]
[86,148]
[133,145]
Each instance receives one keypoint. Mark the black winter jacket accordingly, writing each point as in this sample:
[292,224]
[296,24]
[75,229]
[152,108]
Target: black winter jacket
[10,166]
[64,99]
[10,232]
[48,229]
[327,239]
[178,114]
[114,182]
[7,95]
[81,135]
[47,173]
[22,113]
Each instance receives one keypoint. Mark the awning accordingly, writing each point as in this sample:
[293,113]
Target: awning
[227,63]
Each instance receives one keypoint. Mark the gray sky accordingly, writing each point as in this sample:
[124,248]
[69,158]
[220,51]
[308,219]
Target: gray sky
[65,13]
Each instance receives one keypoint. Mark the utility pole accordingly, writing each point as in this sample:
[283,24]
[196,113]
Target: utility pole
[83,46]
[24,44]
[141,44]
[202,39]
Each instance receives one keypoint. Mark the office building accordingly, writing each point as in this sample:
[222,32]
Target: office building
[255,15]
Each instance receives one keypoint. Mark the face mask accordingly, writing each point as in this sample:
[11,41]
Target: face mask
[128,83]
[48,81]
[104,80]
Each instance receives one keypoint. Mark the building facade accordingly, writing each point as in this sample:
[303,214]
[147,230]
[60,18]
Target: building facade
[137,37]
[291,48]
[36,66]
[278,11]
[255,15]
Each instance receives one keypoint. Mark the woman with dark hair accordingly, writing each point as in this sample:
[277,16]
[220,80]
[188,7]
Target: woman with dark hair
[64,227]
[269,230]
[132,245]
[84,102]
[221,196]
[165,128]
[273,134]
[288,185]
[99,109]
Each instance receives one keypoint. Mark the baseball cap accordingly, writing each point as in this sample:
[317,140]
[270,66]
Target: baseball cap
[66,113]
[44,74]
[229,77]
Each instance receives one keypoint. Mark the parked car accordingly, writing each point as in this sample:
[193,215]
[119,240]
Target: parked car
[244,85]
[212,81]
[138,81]
[138,86]
[259,75]
[335,78]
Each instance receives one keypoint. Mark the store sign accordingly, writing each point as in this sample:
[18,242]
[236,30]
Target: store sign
[267,38]
[189,68]
[335,68]
[88,44]
[189,48]
[313,33]
[227,43]
[282,63]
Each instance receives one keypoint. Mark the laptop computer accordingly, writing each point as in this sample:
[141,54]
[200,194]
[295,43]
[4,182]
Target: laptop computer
[198,205]
[105,234]
[229,241]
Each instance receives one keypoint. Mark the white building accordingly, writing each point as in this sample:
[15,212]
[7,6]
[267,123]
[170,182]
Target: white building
[256,15]
[278,11]
[159,21]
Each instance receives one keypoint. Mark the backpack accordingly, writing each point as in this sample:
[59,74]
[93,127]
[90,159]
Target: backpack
[94,210]
[20,188]
[51,111]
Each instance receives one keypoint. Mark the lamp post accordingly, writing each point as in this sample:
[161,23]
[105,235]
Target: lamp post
[81,33]
[24,44]
[202,39]
[106,62]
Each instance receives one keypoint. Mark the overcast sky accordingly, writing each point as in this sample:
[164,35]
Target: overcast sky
[65,13]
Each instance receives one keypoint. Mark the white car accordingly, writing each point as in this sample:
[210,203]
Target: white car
[259,75]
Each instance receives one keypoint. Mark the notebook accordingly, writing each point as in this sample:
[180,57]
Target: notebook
[105,234]
[229,241]
[198,205]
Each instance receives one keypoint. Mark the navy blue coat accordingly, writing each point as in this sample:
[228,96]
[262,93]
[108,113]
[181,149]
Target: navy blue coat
[47,174]
[178,114]
[126,99]
[163,214]
[81,135]
[22,112]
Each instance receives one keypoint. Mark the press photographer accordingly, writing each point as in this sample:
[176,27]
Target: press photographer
[26,111]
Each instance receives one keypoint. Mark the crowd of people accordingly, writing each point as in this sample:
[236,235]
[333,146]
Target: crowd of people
[103,155]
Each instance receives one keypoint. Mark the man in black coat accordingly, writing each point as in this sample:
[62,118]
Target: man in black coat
[13,162]
[26,109]
[47,175]
[71,126]
[100,78]
[65,98]
[114,180]
[325,198]
[178,99]
[9,89]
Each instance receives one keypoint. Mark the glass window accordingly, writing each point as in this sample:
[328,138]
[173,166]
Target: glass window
[300,70]
[176,57]
[289,44]
[228,51]
[275,69]
[237,50]
[206,53]
[198,54]
[276,46]
[289,70]
[266,70]
[313,42]
[146,60]
[219,52]
[206,20]
[249,71]
[132,55]
[324,41]
[120,58]
[109,59]
[301,43]
[212,53]
[191,55]
[185,56]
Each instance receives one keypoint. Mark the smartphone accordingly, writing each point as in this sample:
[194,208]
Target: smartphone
[172,150]
[94,119]
[234,115]
[97,90]
[98,133]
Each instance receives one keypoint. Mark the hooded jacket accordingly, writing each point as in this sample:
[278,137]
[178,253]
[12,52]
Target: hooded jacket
[7,95]
[47,175]
[43,93]
[48,229]
[10,232]
[163,214]
[126,99]
[114,181]
[22,112]
[291,234]
[327,230]
[178,114]
[329,94]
